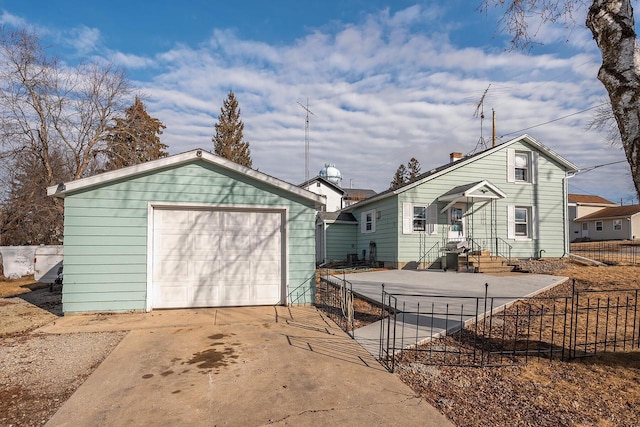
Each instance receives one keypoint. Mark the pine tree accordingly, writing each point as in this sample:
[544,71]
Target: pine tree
[406,173]
[134,139]
[228,141]
[400,177]
[413,168]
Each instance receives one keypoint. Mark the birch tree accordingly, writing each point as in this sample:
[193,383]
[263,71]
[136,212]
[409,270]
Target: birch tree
[612,25]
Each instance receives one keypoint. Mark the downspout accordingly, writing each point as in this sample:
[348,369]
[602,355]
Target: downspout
[565,210]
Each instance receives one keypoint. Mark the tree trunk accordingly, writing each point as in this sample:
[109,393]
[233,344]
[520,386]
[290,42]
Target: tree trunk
[612,25]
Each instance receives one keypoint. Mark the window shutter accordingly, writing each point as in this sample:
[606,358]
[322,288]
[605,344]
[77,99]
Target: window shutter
[534,167]
[511,222]
[407,218]
[511,161]
[374,219]
[432,218]
[363,222]
[534,222]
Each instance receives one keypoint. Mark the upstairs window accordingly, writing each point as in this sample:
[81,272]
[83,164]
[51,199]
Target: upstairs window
[522,166]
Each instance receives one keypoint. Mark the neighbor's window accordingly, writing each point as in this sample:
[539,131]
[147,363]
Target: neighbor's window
[522,163]
[617,224]
[598,225]
[368,221]
[521,222]
[419,218]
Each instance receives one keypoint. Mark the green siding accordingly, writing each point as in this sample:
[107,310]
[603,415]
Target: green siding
[385,235]
[341,240]
[547,195]
[106,232]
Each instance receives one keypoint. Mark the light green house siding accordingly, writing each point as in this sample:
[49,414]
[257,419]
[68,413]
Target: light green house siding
[547,196]
[341,241]
[106,225]
[385,236]
[488,215]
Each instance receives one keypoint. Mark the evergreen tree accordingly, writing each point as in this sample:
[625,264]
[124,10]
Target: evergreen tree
[406,173]
[228,141]
[400,177]
[134,139]
[413,168]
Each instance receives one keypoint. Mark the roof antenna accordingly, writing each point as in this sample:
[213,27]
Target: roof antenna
[480,112]
[306,140]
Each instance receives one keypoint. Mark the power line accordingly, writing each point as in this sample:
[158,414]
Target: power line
[590,168]
[554,120]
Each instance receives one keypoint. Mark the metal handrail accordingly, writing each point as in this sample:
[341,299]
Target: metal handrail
[435,248]
[500,252]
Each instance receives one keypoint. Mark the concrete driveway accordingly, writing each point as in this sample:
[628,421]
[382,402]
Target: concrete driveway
[236,366]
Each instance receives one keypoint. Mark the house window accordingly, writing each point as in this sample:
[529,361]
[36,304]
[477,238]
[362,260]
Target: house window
[617,224]
[522,167]
[521,222]
[598,225]
[368,221]
[419,218]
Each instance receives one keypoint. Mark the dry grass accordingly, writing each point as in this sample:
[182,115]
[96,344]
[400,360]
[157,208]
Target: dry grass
[23,285]
[596,391]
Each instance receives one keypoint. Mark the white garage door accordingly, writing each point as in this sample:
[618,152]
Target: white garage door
[211,258]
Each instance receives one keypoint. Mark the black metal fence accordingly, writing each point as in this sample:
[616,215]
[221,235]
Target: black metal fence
[334,296]
[624,252]
[495,331]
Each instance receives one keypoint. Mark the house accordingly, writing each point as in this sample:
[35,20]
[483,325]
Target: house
[322,186]
[581,205]
[612,223]
[189,230]
[507,201]
[337,197]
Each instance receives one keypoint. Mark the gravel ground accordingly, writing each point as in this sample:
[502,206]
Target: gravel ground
[40,372]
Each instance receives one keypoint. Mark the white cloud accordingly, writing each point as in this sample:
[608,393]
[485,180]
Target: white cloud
[380,94]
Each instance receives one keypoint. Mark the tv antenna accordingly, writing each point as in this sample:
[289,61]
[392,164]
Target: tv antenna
[480,113]
[306,140]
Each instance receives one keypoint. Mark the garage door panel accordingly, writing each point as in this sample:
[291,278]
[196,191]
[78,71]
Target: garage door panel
[216,258]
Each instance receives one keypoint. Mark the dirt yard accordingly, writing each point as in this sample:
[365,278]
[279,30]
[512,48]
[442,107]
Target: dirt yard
[38,372]
[595,391]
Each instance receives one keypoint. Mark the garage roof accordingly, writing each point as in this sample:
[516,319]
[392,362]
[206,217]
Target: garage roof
[64,188]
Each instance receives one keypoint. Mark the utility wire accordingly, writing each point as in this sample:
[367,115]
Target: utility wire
[590,168]
[554,120]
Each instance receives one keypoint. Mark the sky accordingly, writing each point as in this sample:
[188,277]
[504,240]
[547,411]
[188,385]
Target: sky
[385,80]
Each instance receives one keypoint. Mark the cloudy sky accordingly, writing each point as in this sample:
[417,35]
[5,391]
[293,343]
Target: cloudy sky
[385,80]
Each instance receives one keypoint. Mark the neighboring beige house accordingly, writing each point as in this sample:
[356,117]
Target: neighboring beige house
[581,205]
[613,223]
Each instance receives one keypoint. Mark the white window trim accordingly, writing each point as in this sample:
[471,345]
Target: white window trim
[532,223]
[532,166]
[595,225]
[363,221]
[617,222]
[431,218]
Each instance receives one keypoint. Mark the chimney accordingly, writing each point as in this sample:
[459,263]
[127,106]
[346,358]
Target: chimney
[455,156]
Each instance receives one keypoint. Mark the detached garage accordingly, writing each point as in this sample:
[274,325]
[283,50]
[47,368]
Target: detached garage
[190,230]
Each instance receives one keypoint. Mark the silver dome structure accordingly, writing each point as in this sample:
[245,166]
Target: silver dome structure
[331,173]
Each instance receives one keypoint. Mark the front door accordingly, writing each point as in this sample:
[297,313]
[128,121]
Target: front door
[585,229]
[456,224]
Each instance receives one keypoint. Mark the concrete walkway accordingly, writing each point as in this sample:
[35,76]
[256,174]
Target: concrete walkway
[456,292]
[236,367]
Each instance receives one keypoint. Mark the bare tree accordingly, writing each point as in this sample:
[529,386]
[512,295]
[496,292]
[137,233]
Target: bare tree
[48,110]
[613,27]
[400,177]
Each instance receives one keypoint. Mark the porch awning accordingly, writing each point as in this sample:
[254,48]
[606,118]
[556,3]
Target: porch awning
[473,192]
